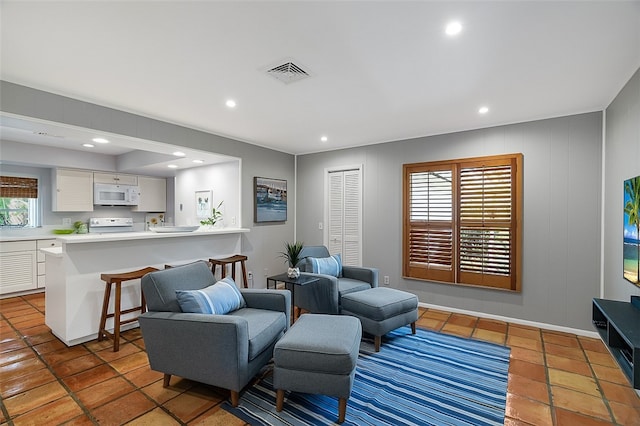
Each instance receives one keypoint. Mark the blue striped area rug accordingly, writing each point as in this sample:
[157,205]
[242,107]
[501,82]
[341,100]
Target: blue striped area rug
[424,379]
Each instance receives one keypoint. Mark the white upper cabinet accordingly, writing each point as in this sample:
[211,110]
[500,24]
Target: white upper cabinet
[115,178]
[153,195]
[72,190]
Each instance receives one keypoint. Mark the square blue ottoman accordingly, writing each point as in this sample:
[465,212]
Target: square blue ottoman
[381,310]
[318,355]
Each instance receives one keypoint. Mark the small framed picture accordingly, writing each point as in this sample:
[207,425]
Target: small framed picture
[203,203]
[270,197]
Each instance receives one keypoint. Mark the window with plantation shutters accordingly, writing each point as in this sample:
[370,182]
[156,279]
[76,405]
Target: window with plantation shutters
[462,221]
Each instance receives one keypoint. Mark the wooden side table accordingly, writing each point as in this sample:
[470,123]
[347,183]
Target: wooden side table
[291,284]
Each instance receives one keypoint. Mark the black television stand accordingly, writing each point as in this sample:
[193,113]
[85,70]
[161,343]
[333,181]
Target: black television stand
[619,326]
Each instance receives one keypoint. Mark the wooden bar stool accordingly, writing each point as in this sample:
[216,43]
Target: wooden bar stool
[117,279]
[231,260]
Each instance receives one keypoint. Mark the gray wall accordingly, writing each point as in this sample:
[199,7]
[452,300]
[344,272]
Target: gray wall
[562,198]
[562,187]
[261,244]
[622,161]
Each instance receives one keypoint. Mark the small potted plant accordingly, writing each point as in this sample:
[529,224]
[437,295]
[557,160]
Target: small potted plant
[292,257]
[216,215]
[80,227]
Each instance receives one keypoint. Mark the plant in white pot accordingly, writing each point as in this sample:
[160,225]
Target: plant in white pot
[292,257]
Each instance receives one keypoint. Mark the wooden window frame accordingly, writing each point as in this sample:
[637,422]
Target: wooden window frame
[493,230]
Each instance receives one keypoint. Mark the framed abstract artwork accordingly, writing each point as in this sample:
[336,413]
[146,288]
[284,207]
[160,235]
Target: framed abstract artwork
[203,203]
[270,200]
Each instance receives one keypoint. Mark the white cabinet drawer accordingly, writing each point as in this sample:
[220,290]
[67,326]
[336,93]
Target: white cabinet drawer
[12,246]
[41,268]
[41,281]
[46,244]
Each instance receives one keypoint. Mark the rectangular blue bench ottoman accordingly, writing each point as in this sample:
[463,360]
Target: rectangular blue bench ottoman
[318,355]
[381,310]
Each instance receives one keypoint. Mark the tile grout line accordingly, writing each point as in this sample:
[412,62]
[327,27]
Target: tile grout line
[552,406]
[5,411]
[59,379]
[72,394]
[118,374]
[605,400]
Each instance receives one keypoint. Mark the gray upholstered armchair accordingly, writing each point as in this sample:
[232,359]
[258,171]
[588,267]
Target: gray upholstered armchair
[324,296]
[220,350]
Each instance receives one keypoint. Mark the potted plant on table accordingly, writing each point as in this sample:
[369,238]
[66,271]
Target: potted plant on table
[292,257]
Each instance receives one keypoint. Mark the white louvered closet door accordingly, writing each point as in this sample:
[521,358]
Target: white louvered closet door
[345,215]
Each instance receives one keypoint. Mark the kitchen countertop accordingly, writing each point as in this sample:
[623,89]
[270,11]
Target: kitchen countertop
[117,236]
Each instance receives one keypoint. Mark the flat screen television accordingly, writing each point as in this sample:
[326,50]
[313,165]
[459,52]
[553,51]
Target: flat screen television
[631,231]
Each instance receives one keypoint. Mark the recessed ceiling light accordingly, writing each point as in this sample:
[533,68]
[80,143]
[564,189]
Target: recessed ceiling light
[88,145]
[453,28]
[172,166]
[100,140]
[324,138]
[198,161]
[230,103]
[483,110]
[179,154]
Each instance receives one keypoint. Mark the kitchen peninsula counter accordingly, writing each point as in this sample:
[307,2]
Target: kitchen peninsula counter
[127,236]
[74,291]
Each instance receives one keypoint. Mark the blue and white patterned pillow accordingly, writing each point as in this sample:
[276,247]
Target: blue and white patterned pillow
[221,298]
[325,265]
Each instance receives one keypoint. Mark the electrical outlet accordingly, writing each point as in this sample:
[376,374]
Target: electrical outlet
[386,280]
[233,220]
[250,279]
[66,221]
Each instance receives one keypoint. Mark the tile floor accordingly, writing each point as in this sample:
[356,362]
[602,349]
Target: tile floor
[554,378]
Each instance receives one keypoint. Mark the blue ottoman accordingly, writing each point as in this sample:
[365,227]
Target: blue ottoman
[318,355]
[381,310]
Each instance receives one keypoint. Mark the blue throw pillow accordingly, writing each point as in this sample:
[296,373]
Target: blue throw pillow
[221,298]
[325,265]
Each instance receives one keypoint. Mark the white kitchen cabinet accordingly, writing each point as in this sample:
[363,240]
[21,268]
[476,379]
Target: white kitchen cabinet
[72,190]
[41,260]
[115,178]
[18,270]
[153,195]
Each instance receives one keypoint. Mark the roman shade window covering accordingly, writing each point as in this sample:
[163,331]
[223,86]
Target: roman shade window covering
[18,187]
[462,221]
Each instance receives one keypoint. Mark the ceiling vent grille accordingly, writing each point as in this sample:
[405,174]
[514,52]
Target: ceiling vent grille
[48,135]
[288,73]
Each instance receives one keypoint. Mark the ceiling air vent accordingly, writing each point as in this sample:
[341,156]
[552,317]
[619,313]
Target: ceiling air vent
[288,73]
[48,135]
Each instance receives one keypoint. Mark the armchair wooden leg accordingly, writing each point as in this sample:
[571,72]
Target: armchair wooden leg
[167,379]
[342,409]
[235,398]
[413,327]
[378,341]
[279,399]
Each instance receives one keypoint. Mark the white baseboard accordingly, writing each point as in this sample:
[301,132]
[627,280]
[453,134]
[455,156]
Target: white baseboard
[576,331]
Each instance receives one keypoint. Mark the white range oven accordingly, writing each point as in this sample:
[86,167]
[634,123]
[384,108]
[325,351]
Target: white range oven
[110,224]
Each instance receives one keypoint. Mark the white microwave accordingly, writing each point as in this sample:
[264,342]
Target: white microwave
[105,194]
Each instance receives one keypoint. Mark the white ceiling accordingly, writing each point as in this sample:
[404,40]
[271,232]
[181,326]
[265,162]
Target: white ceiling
[379,71]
